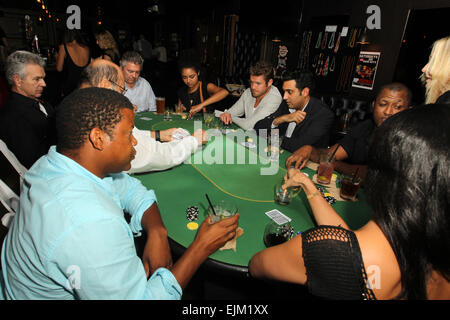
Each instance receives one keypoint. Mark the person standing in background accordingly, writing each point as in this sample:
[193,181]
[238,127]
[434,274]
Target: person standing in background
[108,45]
[73,56]
[436,73]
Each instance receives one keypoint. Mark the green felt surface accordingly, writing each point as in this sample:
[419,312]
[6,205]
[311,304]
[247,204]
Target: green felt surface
[210,172]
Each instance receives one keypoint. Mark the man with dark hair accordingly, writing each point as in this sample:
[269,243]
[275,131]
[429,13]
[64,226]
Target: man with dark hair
[352,150]
[257,102]
[26,122]
[70,239]
[156,150]
[301,119]
[138,90]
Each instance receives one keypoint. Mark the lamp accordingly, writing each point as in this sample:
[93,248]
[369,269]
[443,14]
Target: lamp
[276,39]
[364,37]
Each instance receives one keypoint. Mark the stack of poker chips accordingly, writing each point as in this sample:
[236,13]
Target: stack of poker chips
[287,231]
[192,213]
[327,196]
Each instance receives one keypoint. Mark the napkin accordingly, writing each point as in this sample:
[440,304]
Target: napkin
[231,244]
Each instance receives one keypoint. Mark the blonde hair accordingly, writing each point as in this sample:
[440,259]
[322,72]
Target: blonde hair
[438,69]
[106,41]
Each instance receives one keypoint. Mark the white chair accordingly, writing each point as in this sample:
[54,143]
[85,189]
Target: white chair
[10,201]
[20,170]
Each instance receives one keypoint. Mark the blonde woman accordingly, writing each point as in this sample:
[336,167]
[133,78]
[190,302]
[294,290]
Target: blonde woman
[436,73]
[108,45]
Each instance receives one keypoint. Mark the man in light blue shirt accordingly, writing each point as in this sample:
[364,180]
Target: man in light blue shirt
[70,239]
[138,90]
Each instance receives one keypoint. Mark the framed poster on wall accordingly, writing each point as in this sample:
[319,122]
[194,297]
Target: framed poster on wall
[366,69]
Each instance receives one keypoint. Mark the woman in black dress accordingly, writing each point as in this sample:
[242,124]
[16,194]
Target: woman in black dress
[73,56]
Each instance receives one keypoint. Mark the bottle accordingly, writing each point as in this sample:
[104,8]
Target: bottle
[35,45]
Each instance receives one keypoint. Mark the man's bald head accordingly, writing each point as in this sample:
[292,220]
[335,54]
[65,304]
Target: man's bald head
[104,74]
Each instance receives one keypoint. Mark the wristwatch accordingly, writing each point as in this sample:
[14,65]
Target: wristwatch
[157,136]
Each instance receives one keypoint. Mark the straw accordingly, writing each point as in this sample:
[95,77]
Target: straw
[334,152]
[210,203]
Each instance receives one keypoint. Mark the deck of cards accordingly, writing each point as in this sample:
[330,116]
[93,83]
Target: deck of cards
[180,133]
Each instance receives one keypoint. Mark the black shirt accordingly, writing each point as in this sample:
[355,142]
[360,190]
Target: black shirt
[356,142]
[444,98]
[192,99]
[25,129]
[71,73]
[313,130]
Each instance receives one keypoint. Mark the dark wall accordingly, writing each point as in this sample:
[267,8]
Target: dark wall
[387,40]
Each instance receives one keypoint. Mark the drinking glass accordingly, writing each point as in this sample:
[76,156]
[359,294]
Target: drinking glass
[222,209]
[349,186]
[275,233]
[326,167]
[283,196]
[208,118]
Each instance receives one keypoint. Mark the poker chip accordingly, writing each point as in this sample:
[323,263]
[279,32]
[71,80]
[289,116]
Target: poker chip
[287,231]
[192,213]
[192,225]
[326,195]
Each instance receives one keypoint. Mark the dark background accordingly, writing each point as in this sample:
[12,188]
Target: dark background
[408,28]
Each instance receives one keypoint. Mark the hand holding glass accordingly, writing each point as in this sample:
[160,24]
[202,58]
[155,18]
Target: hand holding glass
[222,209]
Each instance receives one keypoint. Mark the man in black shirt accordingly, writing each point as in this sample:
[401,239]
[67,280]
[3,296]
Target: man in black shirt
[27,123]
[301,119]
[352,152]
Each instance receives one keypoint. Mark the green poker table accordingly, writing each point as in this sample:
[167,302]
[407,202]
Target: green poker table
[227,168]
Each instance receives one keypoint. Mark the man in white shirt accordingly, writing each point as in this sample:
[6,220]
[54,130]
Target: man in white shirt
[155,150]
[257,102]
[138,90]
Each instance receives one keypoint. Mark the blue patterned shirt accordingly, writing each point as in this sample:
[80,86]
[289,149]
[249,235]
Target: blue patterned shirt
[70,239]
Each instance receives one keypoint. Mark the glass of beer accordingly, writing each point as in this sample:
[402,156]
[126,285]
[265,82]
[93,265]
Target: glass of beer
[349,186]
[208,118]
[160,105]
[326,167]
[178,108]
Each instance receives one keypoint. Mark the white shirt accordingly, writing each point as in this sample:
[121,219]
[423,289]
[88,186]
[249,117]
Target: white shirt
[152,155]
[245,107]
[41,107]
[141,95]
[161,51]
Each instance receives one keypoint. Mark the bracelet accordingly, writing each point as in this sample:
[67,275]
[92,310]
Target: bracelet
[157,136]
[309,196]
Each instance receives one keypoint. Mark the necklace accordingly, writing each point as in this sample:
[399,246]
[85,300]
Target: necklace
[324,41]
[319,39]
[336,48]
[333,64]
[331,42]
[325,67]
[352,42]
